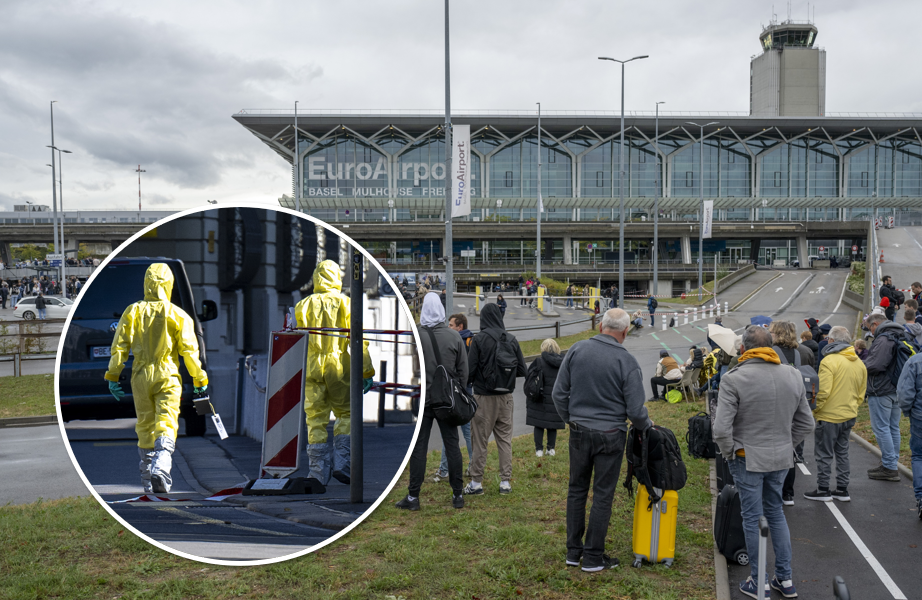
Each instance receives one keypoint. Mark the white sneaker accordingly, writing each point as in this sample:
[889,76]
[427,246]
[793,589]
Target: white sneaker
[539,453]
[551,452]
[505,487]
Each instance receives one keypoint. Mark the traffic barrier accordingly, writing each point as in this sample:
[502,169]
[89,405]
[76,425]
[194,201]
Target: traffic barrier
[665,321]
[284,402]
[711,312]
[718,309]
[882,256]
[686,317]
[695,315]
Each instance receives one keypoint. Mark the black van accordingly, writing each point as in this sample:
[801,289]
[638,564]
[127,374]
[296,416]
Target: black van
[85,356]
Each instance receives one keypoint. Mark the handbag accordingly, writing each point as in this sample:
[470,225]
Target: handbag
[448,398]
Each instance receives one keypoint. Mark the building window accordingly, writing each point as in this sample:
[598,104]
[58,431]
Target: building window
[864,179]
[366,154]
[819,157]
[905,158]
[642,158]
[777,178]
[599,178]
[508,179]
[551,156]
[689,178]
[731,157]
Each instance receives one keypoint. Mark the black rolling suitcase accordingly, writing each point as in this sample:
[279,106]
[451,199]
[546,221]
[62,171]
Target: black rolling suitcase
[724,476]
[728,526]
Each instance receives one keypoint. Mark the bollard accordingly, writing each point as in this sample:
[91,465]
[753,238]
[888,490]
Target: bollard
[685,322]
[593,322]
[557,329]
[383,375]
[712,311]
[17,365]
[675,317]
[665,321]
[726,307]
[695,315]
[718,309]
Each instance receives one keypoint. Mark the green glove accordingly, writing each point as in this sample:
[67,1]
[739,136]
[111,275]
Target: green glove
[367,384]
[201,390]
[115,388]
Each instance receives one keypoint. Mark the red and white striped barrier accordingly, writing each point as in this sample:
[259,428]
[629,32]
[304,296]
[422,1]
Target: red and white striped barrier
[225,494]
[149,498]
[284,402]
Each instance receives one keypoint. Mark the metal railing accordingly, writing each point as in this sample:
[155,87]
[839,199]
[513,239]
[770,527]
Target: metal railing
[461,113]
[28,341]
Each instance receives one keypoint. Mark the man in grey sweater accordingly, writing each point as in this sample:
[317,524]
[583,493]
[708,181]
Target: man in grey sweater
[608,391]
[762,413]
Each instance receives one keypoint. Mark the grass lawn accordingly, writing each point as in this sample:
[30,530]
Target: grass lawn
[497,547]
[863,428]
[26,396]
[533,347]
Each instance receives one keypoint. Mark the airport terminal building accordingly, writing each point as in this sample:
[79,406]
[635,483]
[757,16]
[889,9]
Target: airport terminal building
[780,175]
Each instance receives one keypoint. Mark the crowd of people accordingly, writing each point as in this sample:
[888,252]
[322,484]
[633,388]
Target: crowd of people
[14,290]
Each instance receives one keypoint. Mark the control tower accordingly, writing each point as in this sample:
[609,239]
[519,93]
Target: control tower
[789,78]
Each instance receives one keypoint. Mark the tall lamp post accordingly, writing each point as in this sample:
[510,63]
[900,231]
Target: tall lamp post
[54,187]
[299,175]
[701,206]
[656,198]
[449,243]
[540,207]
[621,183]
[61,184]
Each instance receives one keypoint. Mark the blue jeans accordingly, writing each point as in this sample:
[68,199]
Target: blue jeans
[915,446]
[885,421]
[466,432]
[569,301]
[41,313]
[652,321]
[760,494]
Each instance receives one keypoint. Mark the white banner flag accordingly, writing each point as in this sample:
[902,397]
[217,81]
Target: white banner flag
[707,219]
[540,202]
[460,171]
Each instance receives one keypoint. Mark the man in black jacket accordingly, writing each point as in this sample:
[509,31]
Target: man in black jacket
[454,359]
[494,406]
[883,406]
[886,291]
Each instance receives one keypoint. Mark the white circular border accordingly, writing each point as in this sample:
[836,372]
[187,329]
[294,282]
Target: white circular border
[214,561]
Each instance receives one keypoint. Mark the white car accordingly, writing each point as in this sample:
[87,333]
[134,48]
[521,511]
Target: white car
[55,308]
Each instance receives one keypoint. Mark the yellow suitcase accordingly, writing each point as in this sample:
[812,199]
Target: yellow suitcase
[655,527]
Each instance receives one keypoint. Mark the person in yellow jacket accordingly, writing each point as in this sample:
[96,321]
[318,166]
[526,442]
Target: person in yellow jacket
[843,382]
[326,385]
[157,333]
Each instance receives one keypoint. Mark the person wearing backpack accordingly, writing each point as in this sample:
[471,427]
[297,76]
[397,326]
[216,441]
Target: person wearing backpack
[570,296]
[762,413]
[884,362]
[913,328]
[651,308]
[541,413]
[450,347]
[458,322]
[909,393]
[495,361]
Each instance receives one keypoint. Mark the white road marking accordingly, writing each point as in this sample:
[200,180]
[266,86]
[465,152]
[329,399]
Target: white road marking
[803,468]
[779,289]
[836,309]
[875,564]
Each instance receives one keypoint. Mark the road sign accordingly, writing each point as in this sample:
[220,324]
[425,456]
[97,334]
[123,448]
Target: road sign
[889,222]
[822,248]
[284,402]
[468,253]
[589,247]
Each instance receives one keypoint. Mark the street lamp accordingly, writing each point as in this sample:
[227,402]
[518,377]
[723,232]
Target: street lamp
[701,207]
[621,183]
[54,186]
[540,206]
[63,252]
[656,197]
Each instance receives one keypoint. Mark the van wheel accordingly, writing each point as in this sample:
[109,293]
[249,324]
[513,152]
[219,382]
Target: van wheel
[28,315]
[195,424]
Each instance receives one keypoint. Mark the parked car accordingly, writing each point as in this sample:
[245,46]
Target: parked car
[87,345]
[55,308]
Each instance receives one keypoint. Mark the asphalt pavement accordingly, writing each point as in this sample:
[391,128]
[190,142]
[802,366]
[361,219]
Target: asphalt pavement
[34,464]
[240,527]
[902,248]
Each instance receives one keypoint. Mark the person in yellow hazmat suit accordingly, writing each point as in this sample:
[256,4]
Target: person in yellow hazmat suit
[326,385]
[157,333]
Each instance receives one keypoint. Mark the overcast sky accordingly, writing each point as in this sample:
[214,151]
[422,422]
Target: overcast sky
[156,84]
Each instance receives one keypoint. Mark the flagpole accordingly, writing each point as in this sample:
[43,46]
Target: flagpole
[540,203]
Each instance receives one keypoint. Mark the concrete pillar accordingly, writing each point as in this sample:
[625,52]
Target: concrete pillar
[686,250]
[567,250]
[6,254]
[802,251]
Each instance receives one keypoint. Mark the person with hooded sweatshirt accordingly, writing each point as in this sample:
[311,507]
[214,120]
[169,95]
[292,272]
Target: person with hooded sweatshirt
[542,412]
[882,402]
[458,322]
[494,412]
[434,336]
[843,381]
[806,340]
[912,327]
[157,333]
[326,381]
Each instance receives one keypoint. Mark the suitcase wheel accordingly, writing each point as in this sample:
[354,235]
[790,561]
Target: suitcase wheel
[668,563]
[637,562]
[742,558]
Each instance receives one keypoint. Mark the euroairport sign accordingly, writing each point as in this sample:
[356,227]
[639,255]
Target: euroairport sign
[325,177]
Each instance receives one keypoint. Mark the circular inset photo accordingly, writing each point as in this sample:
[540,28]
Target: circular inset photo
[237,384]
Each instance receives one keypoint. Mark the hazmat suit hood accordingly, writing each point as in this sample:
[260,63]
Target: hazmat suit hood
[842,348]
[158,283]
[327,277]
[433,312]
[491,317]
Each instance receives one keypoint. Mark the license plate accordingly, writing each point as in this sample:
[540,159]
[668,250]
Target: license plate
[102,351]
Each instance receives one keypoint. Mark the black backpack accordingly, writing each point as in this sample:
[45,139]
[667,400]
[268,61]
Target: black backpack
[448,397]
[903,350]
[654,303]
[899,298]
[501,364]
[672,321]
[699,438]
[655,459]
[534,383]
